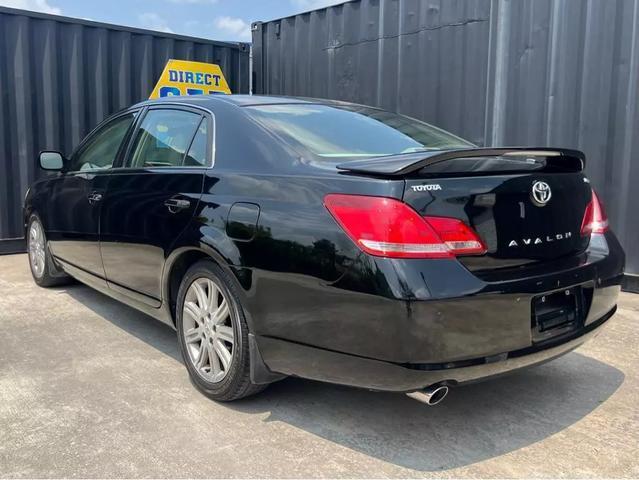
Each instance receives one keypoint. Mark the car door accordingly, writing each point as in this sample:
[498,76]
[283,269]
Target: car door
[72,222]
[152,196]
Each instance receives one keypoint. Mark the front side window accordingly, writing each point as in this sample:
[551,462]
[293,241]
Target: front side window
[100,151]
[163,139]
[351,131]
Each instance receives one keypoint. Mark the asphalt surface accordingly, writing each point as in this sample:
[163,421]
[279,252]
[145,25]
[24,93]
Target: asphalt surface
[92,388]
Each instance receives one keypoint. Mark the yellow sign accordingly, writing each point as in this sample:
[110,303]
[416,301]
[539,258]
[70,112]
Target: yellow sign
[182,77]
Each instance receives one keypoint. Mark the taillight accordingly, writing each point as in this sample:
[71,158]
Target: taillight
[595,218]
[386,227]
[458,237]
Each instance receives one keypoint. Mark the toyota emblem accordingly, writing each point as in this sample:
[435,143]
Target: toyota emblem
[541,193]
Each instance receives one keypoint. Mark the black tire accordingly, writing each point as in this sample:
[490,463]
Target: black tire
[50,275]
[236,383]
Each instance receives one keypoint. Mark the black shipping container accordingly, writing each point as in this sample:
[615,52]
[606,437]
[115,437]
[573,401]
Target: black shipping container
[59,77]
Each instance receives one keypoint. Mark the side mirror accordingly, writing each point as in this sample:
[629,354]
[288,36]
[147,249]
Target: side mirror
[51,161]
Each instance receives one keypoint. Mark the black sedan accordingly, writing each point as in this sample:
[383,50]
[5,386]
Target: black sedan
[328,240]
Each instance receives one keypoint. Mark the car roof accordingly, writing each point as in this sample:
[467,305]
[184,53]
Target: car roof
[241,100]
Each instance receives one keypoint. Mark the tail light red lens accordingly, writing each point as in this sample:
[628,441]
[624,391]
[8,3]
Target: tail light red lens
[458,237]
[387,227]
[595,218]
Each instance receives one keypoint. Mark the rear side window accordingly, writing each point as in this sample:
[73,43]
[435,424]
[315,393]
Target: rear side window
[351,131]
[163,138]
[196,156]
[100,151]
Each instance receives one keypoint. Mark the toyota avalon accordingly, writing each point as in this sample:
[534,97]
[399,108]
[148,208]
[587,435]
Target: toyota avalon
[330,241]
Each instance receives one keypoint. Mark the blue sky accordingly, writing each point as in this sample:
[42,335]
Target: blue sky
[214,19]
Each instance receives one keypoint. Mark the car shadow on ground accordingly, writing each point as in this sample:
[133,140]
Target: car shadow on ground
[474,423]
[151,331]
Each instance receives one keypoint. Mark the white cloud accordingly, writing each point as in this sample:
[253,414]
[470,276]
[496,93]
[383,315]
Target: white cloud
[33,5]
[153,21]
[236,28]
[305,5]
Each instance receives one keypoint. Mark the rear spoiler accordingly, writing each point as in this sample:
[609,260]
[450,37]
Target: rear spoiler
[403,164]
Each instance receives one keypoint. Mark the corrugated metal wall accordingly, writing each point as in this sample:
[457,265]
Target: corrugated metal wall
[59,77]
[563,73]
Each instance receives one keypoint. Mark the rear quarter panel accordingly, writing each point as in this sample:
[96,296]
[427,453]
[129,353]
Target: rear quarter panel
[289,268]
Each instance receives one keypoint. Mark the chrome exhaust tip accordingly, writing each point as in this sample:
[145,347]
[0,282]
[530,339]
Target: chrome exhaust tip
[431,395]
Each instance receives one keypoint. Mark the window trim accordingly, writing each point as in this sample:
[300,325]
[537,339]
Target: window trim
[96,131]
[210,148]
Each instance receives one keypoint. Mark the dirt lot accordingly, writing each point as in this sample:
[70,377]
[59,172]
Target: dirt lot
[91,388]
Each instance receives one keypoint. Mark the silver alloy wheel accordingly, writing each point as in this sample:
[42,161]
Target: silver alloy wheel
[207,328]
[37,255]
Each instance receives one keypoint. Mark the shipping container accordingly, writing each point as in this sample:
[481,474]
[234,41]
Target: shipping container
[59,77]
[562,73]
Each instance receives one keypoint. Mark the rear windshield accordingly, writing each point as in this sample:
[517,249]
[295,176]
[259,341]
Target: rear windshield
[351,131]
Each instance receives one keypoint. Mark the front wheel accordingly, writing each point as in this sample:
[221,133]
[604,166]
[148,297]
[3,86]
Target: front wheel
[43,268]
[213,334]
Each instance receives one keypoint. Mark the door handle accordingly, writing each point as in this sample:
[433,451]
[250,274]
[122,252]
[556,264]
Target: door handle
[94,197]
[176,204]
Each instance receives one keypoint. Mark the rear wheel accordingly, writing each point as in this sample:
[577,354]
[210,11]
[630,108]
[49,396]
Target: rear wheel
[43,268]
[213,335]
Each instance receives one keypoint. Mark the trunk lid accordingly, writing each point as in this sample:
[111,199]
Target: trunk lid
[503,211]
[527,205]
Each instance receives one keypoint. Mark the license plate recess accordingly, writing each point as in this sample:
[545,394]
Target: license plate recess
[556,314]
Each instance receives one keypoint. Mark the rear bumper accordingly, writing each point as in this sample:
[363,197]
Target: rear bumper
[418,323]
[318,364]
